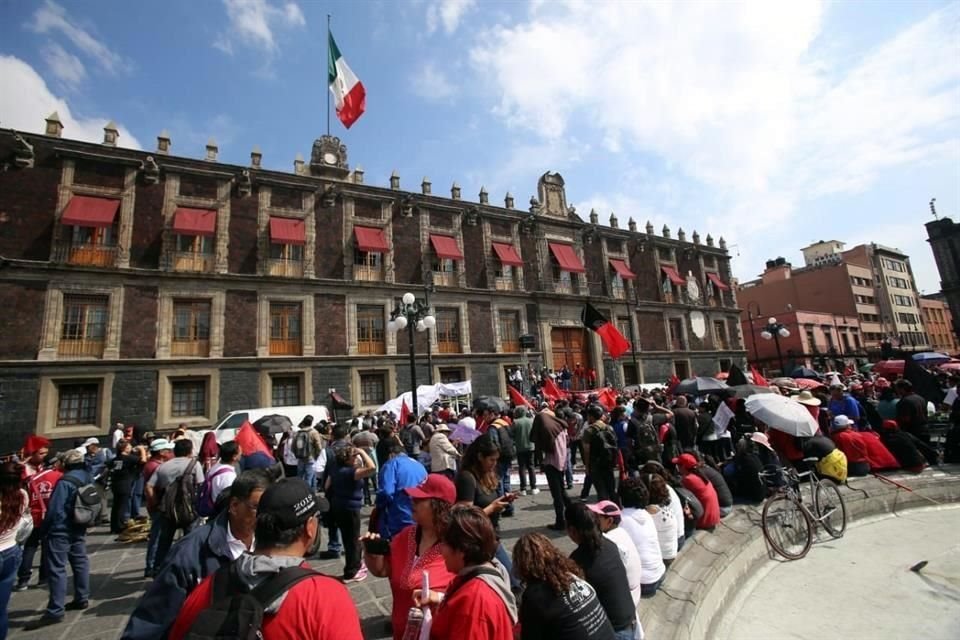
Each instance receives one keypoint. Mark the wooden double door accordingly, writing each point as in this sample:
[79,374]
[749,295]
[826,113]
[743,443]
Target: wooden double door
[569,347]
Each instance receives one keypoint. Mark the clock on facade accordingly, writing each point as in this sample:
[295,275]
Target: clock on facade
[329,158]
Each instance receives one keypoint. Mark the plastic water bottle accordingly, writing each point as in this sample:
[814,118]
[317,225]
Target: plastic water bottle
[414,622]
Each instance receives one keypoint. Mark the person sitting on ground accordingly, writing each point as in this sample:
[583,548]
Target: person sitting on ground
[641,533]
[743,472]
[608,517]
[652,528]
[557,603]
[316,607]
[197,555]
[879,457]
[724,495]
[478,603]
[852,445]
[912,411]
[414,551]
[666,495]
[699,485]
[599,558]
[911,452]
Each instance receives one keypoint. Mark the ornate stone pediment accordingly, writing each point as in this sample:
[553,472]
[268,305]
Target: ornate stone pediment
[329,158]
[552,195]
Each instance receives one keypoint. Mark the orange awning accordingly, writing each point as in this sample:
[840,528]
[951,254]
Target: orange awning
[288,231]
[446,247]
[86,211]
[371,239]
[567,257]
[195,222]
[620,266]
[671,272]
[715,279]
[507,254]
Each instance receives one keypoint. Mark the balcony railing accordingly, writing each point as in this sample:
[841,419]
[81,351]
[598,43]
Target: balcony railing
[448,347]
[91,255]
[373,347]
[285,347]
[185,261]
[503,283]
[80,348]
[190,348]
[367,274]
[618,291]
[563,286]
[286,268]
[444,279]
[668,297]
[510,346]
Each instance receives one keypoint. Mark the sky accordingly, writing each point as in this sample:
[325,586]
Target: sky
[772,124]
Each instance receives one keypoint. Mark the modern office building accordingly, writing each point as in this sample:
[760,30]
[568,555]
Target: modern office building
[157,289]
[939,323]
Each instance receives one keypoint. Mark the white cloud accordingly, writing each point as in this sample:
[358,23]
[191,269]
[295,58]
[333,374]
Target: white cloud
[64,65]
[52,18]
[431,84]
[447,14]
[253,22]
[26,101]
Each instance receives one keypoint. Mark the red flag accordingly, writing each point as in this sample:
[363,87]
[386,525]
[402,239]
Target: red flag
[608,398]
[758,379]
[250,441]
[404,414]
[551,390]
[672,383]
[614,341]
[517,398]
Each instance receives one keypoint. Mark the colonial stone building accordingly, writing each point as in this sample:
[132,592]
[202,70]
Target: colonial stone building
[155,289]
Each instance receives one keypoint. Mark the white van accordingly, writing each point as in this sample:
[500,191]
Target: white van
[226,430]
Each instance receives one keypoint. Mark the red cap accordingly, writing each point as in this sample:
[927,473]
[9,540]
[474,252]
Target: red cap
[435,486]
[685,461]
[890,424]
[34,443]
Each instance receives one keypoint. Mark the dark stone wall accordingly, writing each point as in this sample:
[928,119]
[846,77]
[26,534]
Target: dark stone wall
[138,338]
[647,283]
[240,324]
[146,242]
[406,250]
[19,398]
[485,378]
[28,201]
[198,186]
[650,329]
[134,399]
[656,371]
[331,377]
[243,235]
[331,321]
[22,325]
[475,254]
[239,389]
[329,229]
[481,327]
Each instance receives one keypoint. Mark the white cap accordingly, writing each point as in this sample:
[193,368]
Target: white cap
[90,441]
[842,421]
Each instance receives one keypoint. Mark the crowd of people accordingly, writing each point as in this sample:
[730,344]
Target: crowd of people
[250,511]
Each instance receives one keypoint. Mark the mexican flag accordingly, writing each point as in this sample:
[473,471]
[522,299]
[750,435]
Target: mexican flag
[348,93]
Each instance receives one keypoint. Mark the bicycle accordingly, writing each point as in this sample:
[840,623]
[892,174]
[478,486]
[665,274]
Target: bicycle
[788,523]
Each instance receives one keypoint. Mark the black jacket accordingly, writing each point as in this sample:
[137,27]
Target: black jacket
[197,555]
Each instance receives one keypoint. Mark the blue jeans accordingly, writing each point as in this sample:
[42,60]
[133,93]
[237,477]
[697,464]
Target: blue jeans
[165,538]
[153,541]
[136,497]
[503,468]
[624,634]
[63,548]
[568,471]
[307,473]
[26,563]
[9,565]
[504,558]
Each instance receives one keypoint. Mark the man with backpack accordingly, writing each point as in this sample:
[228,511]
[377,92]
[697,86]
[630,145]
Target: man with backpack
[74,506]
[600,453]
[500,433]
[174,487]
[273,594]
[218,480]
[643,435]
[199,554]
[411,435]
[306,446]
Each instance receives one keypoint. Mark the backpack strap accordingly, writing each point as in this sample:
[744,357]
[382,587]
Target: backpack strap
[72,481]
[275,586]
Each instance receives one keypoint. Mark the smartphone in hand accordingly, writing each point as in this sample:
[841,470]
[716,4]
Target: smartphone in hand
[377,546]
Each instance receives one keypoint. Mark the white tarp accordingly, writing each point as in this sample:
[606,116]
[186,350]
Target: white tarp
[427,394]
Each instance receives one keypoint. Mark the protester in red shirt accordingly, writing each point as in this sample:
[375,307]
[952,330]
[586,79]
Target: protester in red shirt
[415,550]
[878,455]
[852,445]
[695,482]
[478,604]
[318,607]
[35,449]
[39,489]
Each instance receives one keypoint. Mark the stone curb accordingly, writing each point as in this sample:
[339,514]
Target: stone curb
[705,577]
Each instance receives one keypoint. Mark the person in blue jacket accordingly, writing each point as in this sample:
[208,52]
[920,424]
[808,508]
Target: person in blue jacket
[65,541]
[195,556]
[394,506]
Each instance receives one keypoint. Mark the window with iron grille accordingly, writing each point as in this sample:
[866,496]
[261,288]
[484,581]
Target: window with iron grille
[509,322]
[188,397]
[77,403]
[373,388]
[370,325]
[448,330]
[449,376]
[285,391]
[84,317]
[286,252]
[284,321]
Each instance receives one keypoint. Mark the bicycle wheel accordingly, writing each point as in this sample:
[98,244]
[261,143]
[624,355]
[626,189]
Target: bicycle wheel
[787,527]
[830,508]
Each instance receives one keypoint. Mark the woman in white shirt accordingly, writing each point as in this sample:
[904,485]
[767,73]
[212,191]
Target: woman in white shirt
[16,523]
[656,495]
[642,529]
[609,518]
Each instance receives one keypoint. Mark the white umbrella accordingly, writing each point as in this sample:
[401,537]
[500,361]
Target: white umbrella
[782,413]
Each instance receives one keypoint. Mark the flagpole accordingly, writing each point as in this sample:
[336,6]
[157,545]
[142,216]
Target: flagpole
[328,74]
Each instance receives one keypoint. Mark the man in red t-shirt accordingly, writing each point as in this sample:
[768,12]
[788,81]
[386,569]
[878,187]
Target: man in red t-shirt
[39,488]
[317,607]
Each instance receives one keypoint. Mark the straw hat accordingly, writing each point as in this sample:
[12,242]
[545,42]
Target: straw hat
[807,398]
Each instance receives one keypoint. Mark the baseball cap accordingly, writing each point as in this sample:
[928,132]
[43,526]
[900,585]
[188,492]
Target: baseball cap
[435,486]
[90,441]
[685,460]
[72,457]
[290,501]
[842,421]
[160,444]
[605,508]
[838,385]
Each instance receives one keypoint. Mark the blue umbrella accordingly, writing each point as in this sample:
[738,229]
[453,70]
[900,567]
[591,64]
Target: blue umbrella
[805,372]
[931,357]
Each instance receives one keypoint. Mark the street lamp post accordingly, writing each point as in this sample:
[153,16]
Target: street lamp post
[753,333]
[410,313]
[774,331]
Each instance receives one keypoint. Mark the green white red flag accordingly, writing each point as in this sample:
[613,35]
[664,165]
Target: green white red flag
[349,96]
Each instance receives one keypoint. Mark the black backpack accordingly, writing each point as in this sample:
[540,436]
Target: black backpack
[508,451]
[408,437]
[87,503]
[179,502]
[236,612]
[603,446]
[303,446]
[646,439]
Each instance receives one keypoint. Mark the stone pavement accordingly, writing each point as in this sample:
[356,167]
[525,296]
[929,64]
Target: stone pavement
[116,581]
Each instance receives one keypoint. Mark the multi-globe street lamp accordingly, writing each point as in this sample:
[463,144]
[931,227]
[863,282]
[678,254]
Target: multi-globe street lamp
[411,313]
[774,331]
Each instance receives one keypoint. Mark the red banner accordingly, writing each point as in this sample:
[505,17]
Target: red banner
[250,441]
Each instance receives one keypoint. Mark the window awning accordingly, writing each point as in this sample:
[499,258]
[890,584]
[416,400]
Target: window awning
[620,266]
[715,279]
[567,257]
[446,247]
[671,272]
[86,211]
[371,239]
[195,222]
[507,254]
[287,231]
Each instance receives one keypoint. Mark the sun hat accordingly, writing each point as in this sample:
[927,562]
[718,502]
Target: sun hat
[160,444]
[808,398]
[761,438]
[435,486]
[605,508]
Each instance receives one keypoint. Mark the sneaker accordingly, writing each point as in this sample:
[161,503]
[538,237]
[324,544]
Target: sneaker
[44,621]
[359,576]
[328,555]
[77,605]
[20,586]
[534,492]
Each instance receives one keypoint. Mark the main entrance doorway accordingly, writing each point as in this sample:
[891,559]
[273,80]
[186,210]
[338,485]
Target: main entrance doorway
[569,347]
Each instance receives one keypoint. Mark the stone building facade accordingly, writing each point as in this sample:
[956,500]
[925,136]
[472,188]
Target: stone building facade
[156,289]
